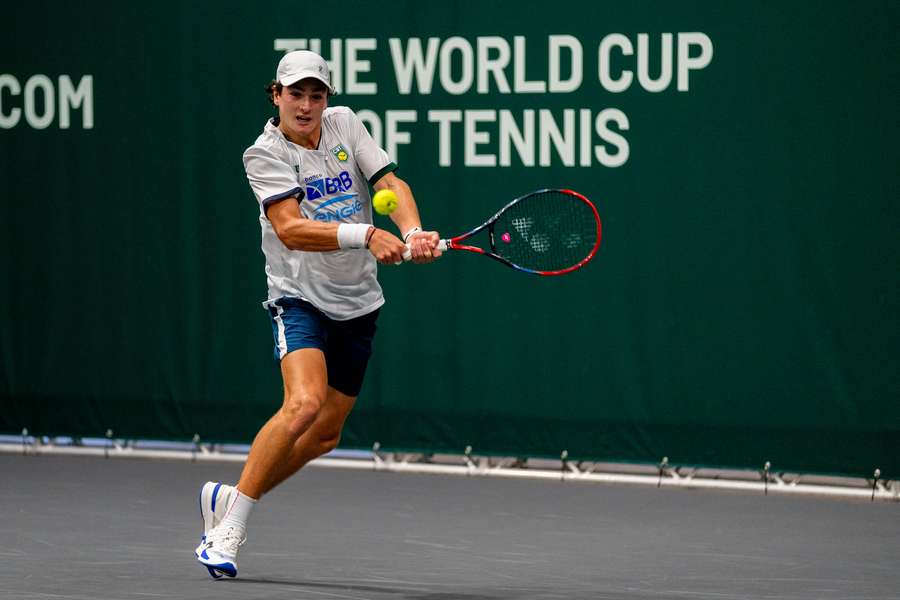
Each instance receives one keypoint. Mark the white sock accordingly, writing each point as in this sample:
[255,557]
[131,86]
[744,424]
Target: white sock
[239,511]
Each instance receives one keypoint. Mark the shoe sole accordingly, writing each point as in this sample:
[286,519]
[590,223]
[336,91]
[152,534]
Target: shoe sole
[216,570]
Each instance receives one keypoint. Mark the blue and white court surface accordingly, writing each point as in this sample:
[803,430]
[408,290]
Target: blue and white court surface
[86,528]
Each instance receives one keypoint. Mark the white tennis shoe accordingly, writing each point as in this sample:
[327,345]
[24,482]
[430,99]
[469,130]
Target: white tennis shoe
[215,499]
[218,553]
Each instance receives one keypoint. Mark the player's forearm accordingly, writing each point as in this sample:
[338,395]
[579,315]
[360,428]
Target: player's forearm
[309,236]
[406,216]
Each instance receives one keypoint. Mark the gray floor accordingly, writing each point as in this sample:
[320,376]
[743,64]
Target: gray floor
[119,529]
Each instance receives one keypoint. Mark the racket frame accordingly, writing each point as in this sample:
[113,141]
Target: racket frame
[454,243]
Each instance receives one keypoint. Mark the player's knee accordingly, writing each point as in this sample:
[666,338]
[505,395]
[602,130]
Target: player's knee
[328,441]
[300,410]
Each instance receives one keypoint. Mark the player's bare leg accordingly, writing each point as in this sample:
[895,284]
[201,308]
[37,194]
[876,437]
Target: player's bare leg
[321,437]
[305,391]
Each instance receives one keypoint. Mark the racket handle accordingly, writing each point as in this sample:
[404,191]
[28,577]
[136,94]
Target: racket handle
[407,254]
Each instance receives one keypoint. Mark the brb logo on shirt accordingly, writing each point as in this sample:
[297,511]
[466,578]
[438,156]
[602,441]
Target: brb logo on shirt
[333,208]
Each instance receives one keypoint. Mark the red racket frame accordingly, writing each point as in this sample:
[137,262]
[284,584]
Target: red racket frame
[454,243]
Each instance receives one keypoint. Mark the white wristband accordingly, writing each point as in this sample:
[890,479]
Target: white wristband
[407,235]
[352,235]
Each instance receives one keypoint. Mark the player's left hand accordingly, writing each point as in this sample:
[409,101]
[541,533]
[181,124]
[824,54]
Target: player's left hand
[424,246]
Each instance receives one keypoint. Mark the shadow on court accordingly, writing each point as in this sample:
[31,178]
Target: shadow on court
[389,592]
[386,591]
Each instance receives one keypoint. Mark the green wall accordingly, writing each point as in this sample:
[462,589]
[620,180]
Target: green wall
[744,305]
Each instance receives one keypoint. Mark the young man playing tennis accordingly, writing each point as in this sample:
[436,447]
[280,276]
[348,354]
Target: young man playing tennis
[310,171]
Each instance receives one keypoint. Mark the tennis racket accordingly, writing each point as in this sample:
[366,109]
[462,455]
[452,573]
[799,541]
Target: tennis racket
[546,232]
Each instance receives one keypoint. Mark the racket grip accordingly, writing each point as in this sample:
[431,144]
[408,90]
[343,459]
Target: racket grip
[407,254]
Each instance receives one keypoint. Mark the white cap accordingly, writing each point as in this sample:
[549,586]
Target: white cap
[301,64]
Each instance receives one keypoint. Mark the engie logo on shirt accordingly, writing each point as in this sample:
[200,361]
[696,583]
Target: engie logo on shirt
[332,209]
[329,211]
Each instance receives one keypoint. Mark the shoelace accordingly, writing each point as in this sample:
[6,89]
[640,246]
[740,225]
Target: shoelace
[225,541]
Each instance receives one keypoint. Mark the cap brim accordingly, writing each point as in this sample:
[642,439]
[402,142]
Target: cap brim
[292,78]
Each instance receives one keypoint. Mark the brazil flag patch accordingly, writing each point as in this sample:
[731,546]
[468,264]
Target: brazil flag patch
[340,153]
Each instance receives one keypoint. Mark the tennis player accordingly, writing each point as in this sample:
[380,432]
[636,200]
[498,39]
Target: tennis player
[310,170]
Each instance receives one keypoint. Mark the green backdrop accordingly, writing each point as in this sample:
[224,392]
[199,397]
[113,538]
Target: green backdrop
[743,306]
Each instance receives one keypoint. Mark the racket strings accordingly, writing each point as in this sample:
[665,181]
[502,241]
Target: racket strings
[547,231]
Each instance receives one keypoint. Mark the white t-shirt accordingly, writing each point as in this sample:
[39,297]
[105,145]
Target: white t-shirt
[332,184]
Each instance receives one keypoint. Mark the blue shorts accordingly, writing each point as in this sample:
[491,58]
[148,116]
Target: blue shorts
[347,345]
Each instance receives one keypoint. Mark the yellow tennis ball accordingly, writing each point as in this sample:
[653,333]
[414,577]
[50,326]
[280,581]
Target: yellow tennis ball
[385,202]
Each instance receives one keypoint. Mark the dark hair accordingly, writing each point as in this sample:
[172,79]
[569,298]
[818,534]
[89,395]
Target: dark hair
[272,89]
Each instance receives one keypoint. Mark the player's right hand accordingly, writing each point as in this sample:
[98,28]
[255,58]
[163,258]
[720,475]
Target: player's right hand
[386,247]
